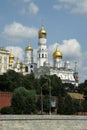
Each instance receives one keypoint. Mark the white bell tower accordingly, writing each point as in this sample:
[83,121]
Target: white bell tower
[42,53]
[28,55]
[28,58]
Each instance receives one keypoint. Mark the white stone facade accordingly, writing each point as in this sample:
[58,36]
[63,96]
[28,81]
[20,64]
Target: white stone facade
[4,60]
[42,53]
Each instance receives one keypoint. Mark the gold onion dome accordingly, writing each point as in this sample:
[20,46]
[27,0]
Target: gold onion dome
[17,62]
[57,54]
[42,32]
[11,56]
[29,48]
[23,65]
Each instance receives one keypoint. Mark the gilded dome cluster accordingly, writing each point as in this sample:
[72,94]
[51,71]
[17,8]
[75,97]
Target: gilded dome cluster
[42,33]
[57,54]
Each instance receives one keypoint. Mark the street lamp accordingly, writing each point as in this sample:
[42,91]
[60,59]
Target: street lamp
[49,83]
[50,95]
[41,101]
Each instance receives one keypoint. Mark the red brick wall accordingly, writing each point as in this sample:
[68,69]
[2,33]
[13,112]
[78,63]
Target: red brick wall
[5,99]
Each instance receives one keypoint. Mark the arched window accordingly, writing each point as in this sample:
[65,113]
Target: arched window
[39,55]
[42,55]
[26,69]
[31,66]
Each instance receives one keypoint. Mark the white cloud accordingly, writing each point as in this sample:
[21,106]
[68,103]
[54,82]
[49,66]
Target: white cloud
[16,51]
[33,8]
[57,7]
[26,1]
[75,6]
[17,32]
[70,48]
[30,9]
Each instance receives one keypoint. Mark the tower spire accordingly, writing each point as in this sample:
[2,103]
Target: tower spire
[75,67]
[42,23]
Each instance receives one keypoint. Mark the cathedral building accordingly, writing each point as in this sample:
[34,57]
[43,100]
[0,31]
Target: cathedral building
[42,67]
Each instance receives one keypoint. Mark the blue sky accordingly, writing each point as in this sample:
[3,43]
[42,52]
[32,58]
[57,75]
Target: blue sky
[65,22]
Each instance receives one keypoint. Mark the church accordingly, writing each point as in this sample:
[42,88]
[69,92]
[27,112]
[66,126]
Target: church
[42,67]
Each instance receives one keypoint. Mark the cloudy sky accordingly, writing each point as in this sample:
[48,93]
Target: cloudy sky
[65,22]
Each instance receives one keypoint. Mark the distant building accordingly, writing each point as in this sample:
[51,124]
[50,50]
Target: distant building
[4,60]
[42,67]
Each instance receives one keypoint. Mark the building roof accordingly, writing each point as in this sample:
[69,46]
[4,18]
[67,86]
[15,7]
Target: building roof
[77,96]
[3,51]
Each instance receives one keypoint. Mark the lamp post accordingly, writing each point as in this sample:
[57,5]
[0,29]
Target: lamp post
[41,101]
[50,96]
[49,83]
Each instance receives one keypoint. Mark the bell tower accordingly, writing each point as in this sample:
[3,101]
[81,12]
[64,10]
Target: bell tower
[42,53]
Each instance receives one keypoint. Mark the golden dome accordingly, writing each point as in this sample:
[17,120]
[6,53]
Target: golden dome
[57,54]
[42,32]
[23,66]
[11,57]
[17,62]
[28,48]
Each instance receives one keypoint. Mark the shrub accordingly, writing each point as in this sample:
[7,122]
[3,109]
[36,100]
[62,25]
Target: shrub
[6,110]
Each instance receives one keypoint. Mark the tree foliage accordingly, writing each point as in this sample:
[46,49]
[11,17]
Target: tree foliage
[10,80]
[84,104]
[83,88]
[6,110]
[66,105]
[23,101]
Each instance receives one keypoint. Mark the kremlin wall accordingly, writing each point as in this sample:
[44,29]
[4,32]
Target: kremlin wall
[5,99]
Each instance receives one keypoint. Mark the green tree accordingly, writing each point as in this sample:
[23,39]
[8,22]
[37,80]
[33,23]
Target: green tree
[61,105]
[69,105]
[44,83]
[46,104]
[82,88]
[23,101]
[36,84]
[78,106]
[57,87]
[10,80]
[84,104]
[69,87]
[66,105]
[6,110]
[28,81]
[30,103]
